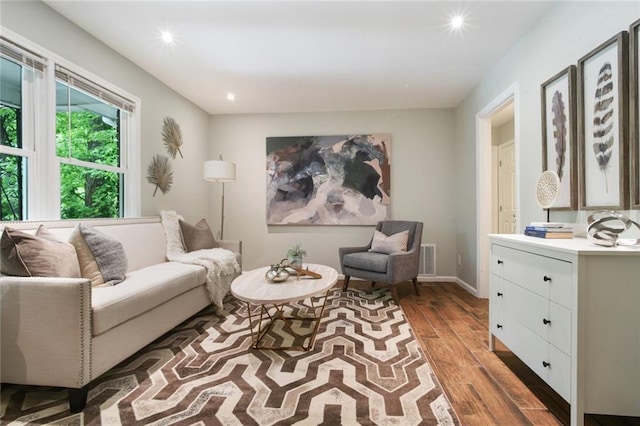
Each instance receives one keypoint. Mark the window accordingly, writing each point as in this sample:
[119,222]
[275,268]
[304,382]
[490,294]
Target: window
[68,145]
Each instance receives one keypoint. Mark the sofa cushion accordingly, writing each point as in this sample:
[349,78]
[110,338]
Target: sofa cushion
[40,255]
[198,236]
[368,261]
[395,243]
[141,291]
[108,253]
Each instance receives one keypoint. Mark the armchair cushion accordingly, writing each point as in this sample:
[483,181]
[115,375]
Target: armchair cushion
[389,244]
[367,261]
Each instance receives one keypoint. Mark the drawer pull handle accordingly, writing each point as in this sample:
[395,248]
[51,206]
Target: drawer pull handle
[546,321]
[499,294]
[499,325]
[546,278]
[545,364]
[500,262]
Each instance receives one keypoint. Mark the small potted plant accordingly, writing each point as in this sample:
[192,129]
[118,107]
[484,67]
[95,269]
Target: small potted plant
[295,255]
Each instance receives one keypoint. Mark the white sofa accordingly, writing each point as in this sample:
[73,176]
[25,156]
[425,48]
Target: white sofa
[62,332]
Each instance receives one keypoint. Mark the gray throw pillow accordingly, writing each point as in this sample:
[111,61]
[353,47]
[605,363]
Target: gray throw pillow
[108,253]
[40,255]
[389,244]
[198,236]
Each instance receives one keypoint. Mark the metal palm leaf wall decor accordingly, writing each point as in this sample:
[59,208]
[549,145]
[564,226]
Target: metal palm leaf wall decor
[172,137]
[160,173]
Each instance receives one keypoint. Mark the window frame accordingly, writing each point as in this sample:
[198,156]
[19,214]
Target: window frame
[43,171]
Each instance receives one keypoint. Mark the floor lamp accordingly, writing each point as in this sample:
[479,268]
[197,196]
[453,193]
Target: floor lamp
[220,171]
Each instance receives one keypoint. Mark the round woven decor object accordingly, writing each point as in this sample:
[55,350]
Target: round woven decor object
[547,188]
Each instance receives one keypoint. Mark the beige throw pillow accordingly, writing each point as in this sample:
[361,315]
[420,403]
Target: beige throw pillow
[40,255]
[389,244]
[198,236]
[88,266]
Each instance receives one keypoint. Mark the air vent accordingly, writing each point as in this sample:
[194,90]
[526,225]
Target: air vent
[428,260]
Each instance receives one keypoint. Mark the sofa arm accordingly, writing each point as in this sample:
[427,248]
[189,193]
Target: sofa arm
[234,246]
[45,333]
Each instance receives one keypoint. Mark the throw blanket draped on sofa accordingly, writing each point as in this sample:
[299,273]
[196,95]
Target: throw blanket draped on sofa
[221,266]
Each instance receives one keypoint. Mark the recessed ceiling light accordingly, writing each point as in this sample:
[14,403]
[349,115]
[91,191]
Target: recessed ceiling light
[167,37]
[457,22]
[231,97]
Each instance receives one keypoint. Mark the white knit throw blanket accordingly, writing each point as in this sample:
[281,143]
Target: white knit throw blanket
[221,264]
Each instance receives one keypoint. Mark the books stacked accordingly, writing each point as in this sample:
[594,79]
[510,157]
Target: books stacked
[548,230]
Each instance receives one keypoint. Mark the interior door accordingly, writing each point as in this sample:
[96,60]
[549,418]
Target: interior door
[506,188]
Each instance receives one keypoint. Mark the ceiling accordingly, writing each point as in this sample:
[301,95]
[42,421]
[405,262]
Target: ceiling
[302,56]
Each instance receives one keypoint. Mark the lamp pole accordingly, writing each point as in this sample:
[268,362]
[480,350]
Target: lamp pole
[222,215]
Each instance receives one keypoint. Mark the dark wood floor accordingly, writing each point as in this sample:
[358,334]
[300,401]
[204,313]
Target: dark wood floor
[484,388]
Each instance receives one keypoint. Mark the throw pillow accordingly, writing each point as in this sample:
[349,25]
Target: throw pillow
[198,236]
[108,253]
[88,266]
[40,255]
[389,244]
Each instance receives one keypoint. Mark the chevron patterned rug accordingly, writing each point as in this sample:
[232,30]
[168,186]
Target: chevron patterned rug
[366,368]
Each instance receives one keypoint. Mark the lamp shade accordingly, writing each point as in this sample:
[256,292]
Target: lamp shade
[219,171]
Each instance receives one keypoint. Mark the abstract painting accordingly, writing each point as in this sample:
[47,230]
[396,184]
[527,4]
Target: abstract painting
[603,116]
[559,135]
[328,180]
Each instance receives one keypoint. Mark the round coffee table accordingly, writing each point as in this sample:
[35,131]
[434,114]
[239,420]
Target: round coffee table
[254,289]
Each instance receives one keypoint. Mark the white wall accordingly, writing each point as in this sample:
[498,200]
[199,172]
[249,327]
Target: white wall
[45,27]
[567,32]
[421,181]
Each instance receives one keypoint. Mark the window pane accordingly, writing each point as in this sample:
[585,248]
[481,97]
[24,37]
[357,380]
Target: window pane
[86,128]
[13,172]
[10,103]
[89,192]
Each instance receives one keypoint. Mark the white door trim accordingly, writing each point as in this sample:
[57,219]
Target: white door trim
[483,180]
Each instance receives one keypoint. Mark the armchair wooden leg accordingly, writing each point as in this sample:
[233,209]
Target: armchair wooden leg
[373,284]
[394,294]
[415,286]
[346,282]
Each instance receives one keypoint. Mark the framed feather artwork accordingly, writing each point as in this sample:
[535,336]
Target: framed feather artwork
[328,180]
[603,96]
[634,112]
[559,146]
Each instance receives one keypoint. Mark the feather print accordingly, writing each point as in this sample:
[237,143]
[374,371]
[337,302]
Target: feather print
[603,120]
[559,131]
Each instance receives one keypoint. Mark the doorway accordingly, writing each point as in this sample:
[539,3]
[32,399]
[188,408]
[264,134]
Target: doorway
[500,111]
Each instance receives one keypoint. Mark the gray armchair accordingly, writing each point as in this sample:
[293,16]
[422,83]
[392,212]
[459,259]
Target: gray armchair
[391,268]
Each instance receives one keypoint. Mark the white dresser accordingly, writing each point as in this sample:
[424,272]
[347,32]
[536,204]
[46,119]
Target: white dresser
[571,311]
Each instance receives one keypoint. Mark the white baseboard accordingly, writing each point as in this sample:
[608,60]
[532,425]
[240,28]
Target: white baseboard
[431,279]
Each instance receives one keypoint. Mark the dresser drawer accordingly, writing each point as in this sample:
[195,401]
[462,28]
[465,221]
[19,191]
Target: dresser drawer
[546,276]
[547,319]
[552,365]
